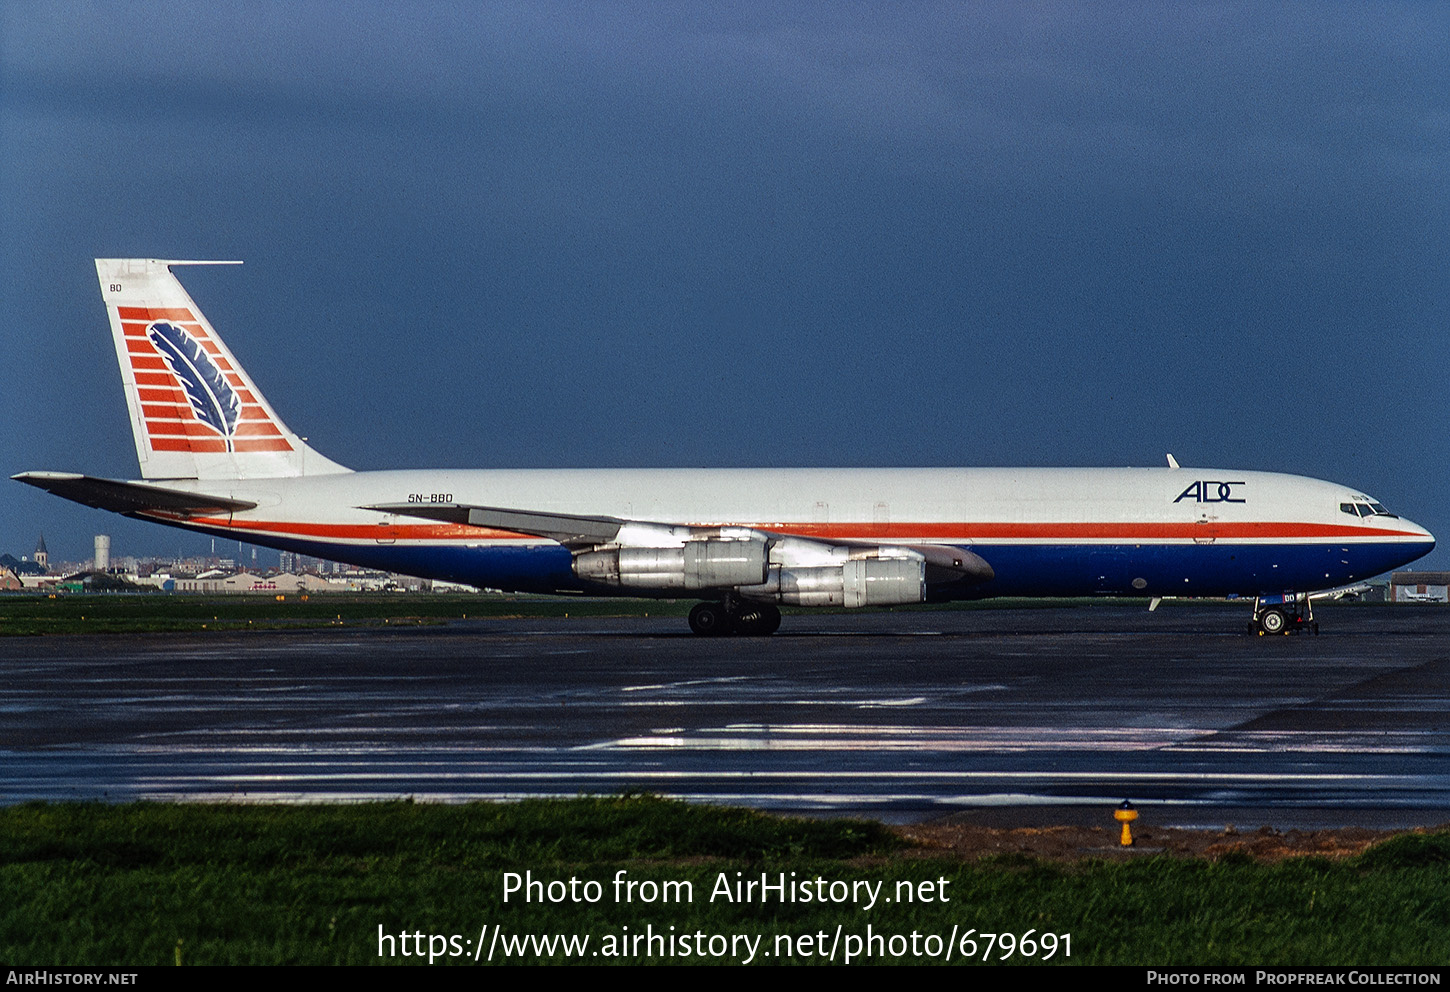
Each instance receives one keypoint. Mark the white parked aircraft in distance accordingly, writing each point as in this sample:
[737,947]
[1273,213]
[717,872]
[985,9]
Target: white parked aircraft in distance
[216,458]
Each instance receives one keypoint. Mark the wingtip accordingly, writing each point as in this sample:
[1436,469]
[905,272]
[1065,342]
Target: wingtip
[35,477]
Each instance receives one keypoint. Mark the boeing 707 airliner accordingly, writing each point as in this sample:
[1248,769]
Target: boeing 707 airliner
[216,458]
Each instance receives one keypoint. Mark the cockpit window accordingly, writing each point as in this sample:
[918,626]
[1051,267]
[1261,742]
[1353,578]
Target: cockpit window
[1365,509]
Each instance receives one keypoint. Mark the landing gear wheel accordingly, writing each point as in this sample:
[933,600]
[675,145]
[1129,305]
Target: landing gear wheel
[772,619]
[756,621]
[1272,621]
[709,619]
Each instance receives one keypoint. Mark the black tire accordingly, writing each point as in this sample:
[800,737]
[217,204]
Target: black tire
[746,622]
[1273,622]
[756,621]
[709,619]
[772,619]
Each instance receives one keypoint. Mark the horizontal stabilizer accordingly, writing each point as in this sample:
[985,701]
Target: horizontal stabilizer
[567,529]
[130,497]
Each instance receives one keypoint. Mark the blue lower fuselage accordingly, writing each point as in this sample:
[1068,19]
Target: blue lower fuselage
[1177,569]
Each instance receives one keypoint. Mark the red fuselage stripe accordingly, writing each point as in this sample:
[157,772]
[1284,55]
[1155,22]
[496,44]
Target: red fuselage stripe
[959,533]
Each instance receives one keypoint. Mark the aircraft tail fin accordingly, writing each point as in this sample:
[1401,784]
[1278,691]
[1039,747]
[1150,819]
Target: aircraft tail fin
[195,413]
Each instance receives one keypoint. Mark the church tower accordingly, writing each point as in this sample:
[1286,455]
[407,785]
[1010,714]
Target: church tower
[42,556]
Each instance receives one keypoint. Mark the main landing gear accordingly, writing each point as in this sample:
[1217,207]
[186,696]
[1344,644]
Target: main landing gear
[735,617]
[1291,613]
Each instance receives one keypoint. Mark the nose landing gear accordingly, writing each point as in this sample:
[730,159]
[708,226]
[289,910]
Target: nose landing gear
[1291,613]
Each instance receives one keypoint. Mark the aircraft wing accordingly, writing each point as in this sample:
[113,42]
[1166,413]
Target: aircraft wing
[569,530]
[130,498]
[946,563]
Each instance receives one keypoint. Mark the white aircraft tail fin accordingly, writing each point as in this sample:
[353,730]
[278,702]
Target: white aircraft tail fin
[195,412]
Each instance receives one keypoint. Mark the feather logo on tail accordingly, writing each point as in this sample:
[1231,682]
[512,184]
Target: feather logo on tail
[212,398]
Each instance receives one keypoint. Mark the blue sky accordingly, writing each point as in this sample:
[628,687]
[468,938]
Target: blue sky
[576,234]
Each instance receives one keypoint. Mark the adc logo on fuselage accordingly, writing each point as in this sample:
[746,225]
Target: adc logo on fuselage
[1211,491]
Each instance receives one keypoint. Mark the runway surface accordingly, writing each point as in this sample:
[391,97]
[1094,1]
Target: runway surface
[899,715]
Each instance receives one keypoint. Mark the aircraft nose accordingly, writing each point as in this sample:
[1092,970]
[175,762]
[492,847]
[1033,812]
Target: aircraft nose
[1421,535]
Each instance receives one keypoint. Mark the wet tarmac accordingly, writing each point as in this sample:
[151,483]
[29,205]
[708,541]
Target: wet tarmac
[1006,713]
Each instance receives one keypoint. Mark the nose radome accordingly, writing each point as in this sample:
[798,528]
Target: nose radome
[1422,535]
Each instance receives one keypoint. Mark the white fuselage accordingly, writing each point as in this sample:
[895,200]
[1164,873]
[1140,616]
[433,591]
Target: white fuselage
[1148,532]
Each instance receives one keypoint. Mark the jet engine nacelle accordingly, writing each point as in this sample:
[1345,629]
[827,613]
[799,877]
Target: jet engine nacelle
[858,582]
[696,565]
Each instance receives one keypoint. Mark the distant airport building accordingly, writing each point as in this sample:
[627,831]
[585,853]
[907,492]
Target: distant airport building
[103,552]
[1420,587]
[219,581]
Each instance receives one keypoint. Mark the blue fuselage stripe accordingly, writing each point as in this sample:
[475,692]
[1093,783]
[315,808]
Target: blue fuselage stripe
[1021,570]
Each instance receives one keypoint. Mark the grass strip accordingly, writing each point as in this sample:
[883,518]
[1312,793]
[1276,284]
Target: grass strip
[149,884]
